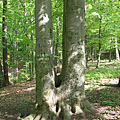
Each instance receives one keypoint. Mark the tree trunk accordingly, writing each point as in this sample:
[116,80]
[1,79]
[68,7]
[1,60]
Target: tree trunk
[1,75]
[4,41]
[110,55]
[118,82]
[73,100]
[110,52]
[99,47]
[86,52]
[44,60]
[57,75]
[31,64]
[15,69]
[57,42]
[98,56]
[116,50]
[68,100]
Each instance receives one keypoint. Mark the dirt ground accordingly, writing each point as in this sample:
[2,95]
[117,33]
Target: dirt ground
[16,99]
[20,98]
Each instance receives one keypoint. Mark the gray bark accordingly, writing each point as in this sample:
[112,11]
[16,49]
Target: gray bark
[99,47]
[44,59]
[1,75]
[15,69]
[98,56]
[72,101]
[31,64]
[116,50]
[57,42]
[110,52]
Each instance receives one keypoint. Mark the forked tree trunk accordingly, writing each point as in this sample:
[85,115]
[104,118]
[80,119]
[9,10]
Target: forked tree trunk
[73,100]
[68,100]
[4,41]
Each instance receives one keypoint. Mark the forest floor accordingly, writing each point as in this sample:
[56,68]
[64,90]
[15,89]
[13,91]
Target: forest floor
[19,99]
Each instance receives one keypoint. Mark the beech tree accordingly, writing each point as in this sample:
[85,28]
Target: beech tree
[44,59]
[73,100]
[68,100]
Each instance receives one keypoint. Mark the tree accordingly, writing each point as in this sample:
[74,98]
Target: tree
[73,98]
[116,49]
[1,75]
[68,100]
[44,59]
[4,41]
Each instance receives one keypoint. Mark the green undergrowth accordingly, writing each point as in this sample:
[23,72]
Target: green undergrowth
[107,96]
[106,70]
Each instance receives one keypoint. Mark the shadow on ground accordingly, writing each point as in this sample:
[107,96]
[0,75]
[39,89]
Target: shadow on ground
[16,100]
[106,99]
[20,98]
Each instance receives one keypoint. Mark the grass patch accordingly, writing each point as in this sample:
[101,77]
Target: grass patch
[105,71]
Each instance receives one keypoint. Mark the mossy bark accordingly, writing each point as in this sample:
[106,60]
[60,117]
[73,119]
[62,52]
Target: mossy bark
[45,95]
[67,101]
[72,95]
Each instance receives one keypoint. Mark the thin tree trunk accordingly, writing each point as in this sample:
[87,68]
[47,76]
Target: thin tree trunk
[15,70]
[1,75]
[110,53]
[99,47]
[31,64]
[99,55]
[118,82]
[57,43]
[57,75]
[86,53]
[4,41]
[116,50]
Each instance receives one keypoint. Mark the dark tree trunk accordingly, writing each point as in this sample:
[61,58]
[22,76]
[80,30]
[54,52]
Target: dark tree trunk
[118,83]
[56,62]
[4,41]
